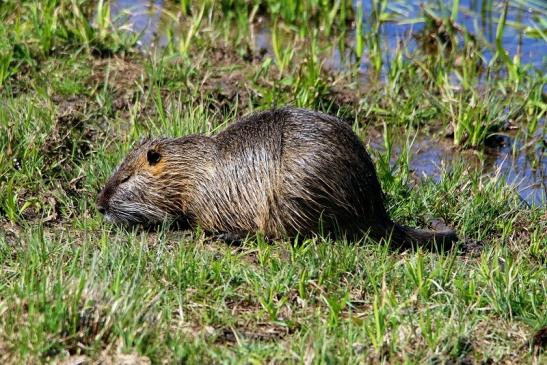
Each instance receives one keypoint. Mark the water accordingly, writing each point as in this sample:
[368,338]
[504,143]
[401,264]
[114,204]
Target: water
[528,178]
[479,18]
[524,165]
[150,18]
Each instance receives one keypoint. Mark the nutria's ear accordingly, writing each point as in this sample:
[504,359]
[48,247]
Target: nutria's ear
[142,141]
[153,156]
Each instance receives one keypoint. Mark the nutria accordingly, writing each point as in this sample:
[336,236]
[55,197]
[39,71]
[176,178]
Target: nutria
[283,172]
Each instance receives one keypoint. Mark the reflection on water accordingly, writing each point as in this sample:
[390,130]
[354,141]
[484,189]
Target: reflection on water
[479,18]
[152,18]
[428,155]
[155,19]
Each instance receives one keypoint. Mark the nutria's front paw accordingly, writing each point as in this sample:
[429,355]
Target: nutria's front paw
[232,238]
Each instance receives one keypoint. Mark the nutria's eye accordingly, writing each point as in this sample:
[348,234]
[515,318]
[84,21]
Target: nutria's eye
[125,179]
[153,157]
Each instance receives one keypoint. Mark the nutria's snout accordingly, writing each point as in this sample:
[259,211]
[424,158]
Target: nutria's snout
[101,208]
[102,203]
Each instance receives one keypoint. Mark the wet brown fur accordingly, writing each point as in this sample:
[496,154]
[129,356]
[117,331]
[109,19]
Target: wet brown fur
[281,172]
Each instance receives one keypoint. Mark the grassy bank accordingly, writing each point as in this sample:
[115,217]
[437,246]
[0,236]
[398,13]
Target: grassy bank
[76,91]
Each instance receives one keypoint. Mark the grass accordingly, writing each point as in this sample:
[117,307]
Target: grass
[75,94]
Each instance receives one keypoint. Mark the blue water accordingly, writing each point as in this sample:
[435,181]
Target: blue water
[480,18]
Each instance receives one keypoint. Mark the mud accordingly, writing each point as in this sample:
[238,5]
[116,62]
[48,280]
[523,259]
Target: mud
[261,332]
[121,75]
[72,135]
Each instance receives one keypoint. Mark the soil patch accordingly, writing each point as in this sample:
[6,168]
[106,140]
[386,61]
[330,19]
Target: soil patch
[255,332]
[121,75]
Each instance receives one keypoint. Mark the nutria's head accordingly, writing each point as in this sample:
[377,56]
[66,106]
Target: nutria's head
[148,187]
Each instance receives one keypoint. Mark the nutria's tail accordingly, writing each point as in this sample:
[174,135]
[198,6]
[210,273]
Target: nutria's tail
[406,237]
